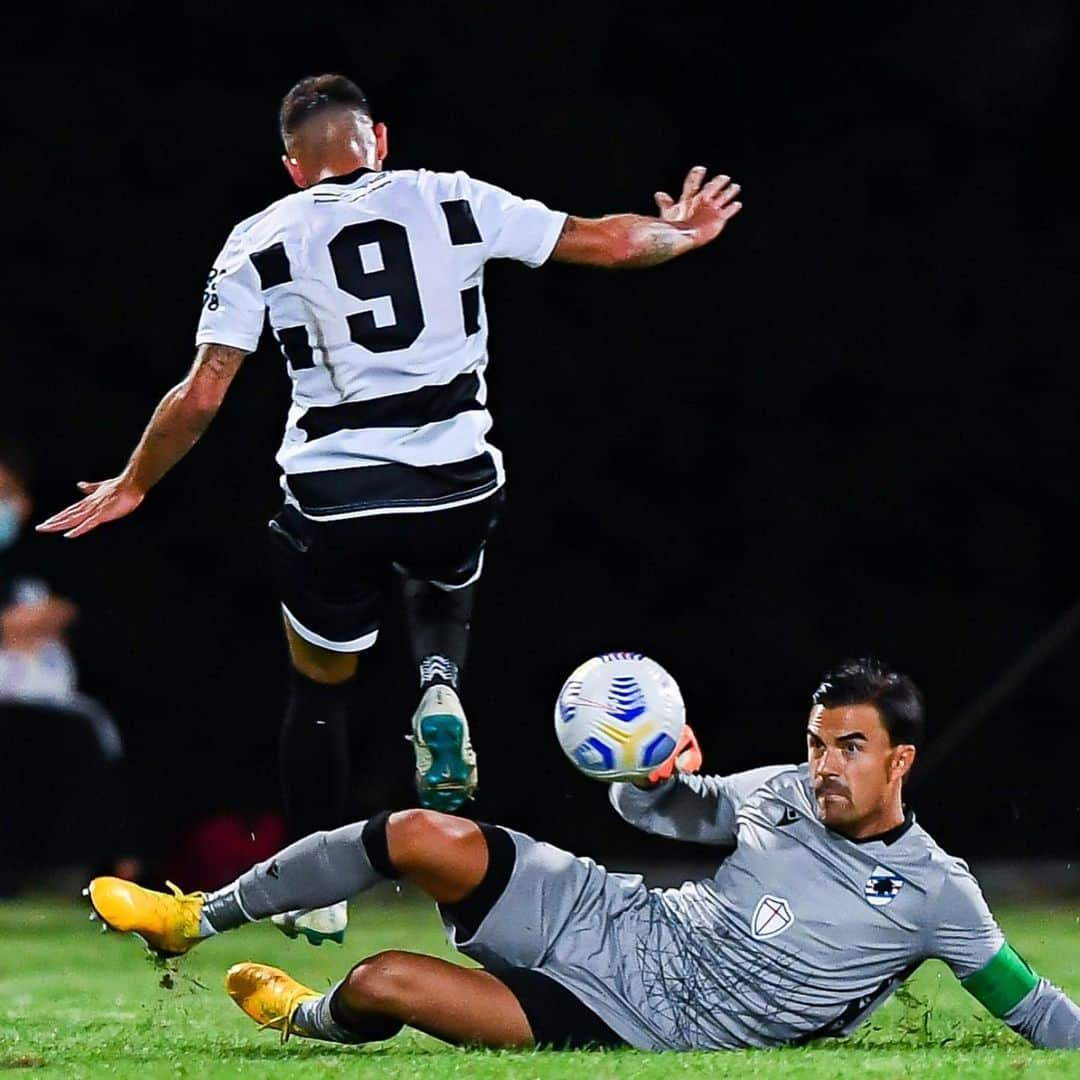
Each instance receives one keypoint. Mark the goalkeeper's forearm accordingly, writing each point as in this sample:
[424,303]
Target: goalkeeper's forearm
[1047,1018]
[681,808]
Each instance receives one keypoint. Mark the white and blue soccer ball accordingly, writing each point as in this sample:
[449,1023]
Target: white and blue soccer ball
[619,716]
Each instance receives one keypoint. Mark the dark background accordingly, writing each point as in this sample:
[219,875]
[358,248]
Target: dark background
[849,426]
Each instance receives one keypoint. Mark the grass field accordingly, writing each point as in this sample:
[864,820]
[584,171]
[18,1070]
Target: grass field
[74,1003]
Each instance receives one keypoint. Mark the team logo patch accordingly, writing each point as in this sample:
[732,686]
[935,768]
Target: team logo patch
[882,886]
[772,916]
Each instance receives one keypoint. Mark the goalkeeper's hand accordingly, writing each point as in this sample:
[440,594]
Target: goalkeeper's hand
[686,758]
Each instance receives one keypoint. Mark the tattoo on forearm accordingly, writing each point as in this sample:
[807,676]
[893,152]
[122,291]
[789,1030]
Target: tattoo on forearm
[661,241]
[665,241]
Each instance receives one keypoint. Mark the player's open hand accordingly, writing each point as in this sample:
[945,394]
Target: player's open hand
[104,500]
[686,757]
[704,207]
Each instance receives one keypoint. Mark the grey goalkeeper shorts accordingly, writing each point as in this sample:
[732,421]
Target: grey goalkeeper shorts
[571,920]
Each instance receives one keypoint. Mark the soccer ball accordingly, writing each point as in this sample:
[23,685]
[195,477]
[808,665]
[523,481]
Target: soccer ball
[619,716]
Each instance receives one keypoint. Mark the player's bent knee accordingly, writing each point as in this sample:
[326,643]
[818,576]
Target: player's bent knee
[416,837]
[381,981]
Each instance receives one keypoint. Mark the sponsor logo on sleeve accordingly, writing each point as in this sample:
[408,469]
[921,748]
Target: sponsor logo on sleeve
[772,916]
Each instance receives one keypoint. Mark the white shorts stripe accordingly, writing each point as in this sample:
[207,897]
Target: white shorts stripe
[356,645]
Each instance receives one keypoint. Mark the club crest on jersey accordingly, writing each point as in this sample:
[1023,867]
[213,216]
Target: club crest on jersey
[772,916]
[882,886]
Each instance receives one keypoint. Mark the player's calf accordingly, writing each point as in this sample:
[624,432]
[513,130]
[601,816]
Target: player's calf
[463,1006]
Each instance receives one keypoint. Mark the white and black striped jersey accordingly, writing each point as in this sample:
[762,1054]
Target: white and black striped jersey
[372,283]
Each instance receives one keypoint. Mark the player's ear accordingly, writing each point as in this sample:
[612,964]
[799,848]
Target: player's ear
[381,143]
[292,167]
[903,757]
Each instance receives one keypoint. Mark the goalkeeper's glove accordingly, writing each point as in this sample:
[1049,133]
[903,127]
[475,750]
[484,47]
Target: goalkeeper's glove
[685,758]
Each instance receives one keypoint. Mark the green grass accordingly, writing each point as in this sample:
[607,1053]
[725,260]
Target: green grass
[74,1003]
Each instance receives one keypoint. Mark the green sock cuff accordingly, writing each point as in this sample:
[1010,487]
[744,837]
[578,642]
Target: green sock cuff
[1002,983]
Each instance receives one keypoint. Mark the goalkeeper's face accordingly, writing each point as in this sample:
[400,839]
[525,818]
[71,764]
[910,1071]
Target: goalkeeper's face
[856,771]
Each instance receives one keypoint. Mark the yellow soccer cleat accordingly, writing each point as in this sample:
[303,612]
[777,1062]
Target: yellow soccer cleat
[168,924]
[268,996]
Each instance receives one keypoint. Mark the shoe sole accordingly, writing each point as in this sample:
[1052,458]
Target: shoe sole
[444,737]
[313,936]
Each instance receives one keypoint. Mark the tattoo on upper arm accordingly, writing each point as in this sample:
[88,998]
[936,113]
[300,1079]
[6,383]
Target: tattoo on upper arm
[220,361]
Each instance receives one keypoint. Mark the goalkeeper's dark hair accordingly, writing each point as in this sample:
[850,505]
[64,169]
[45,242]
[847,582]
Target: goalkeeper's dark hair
[867,681]
[316,94]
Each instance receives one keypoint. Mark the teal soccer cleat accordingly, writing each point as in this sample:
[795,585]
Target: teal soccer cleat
[445,760]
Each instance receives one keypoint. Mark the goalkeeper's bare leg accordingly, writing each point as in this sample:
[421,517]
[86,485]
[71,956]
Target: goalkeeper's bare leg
[382,994]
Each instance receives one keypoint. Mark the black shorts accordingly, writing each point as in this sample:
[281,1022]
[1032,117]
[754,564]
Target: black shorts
[559,1020]
[332,577]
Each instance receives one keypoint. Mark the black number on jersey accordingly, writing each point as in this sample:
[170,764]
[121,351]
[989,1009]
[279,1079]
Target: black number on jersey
[395,280]
[210,297]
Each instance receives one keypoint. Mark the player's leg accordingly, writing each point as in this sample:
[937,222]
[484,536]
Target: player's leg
[313,764]
[330,615]
[445,856]
[504,897]
[441,560]
[438,621]
[382,994]
[313,747]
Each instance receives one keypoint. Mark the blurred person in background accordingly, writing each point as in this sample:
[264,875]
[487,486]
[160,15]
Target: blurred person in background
[57,740]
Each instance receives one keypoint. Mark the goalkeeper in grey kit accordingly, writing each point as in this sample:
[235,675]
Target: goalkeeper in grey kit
[832,896]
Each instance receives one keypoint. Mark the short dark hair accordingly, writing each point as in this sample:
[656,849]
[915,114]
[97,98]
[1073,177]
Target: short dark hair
[316,93]
[867,681]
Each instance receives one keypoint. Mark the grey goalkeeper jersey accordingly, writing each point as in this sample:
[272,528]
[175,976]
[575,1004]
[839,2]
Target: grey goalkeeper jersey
[803,932]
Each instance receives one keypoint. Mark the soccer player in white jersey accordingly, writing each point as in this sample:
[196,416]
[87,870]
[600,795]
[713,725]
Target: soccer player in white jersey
[372,280]
[831,897]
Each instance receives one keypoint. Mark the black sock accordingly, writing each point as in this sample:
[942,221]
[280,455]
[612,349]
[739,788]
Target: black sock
[364,1027]
[439,623]
[314,755]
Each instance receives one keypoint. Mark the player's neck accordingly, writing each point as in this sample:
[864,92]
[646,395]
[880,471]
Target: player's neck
[343,165]
[882,821]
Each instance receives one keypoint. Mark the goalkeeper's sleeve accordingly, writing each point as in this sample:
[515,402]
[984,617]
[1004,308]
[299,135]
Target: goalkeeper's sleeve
[1047,1017]
[687,807]
[966,936]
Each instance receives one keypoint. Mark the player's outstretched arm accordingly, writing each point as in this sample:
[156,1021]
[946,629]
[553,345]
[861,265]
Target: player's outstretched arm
[181,417]
[1047,1017]
[697,217]
[964,934]
[677,804]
